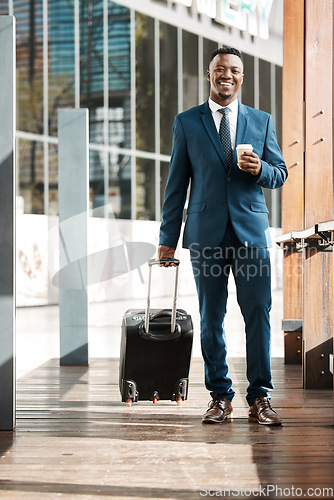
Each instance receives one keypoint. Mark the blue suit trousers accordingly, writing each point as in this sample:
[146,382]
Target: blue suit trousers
[251,270]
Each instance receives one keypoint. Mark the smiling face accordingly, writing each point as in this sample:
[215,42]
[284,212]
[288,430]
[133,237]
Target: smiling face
[225,75]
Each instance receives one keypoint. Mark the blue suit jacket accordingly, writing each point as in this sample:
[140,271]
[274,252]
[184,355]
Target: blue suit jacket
[216,189]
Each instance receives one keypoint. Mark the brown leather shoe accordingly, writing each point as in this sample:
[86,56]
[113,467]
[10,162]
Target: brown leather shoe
[219,409]
[262,412]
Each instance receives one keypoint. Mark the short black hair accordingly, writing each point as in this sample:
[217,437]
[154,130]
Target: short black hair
[226,50]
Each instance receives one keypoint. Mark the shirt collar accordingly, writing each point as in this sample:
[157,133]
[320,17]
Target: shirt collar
[214,106]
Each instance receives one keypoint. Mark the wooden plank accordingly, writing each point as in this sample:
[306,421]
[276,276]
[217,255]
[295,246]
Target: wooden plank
[319,181]
[293,146]
[293,303]
[293,284]
[318,317]
[77,438]
[292,113]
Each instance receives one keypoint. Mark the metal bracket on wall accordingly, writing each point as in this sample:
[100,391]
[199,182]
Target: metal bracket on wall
[300,243]
[319,244]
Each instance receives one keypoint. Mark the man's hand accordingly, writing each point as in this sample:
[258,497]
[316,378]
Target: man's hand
[250,163]
[165,252]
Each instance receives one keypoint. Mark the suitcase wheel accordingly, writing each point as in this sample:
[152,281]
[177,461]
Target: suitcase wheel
[155,397]
[129,392]
[180,391]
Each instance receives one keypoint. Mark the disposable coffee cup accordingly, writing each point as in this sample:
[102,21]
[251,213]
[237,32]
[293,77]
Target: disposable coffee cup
[243,148]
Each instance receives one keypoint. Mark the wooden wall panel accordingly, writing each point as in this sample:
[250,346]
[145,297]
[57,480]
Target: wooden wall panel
[318,318]
[292,303]
[319,183]
[293,285]
[292,114]
[318,112]
[293,147]
[308,195]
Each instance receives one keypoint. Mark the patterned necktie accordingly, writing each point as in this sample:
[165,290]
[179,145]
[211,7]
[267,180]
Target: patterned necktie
[224,134]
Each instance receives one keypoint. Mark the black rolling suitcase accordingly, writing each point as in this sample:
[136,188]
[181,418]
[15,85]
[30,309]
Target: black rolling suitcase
[155,351]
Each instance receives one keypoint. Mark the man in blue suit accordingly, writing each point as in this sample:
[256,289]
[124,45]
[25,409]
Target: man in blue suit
[226,228]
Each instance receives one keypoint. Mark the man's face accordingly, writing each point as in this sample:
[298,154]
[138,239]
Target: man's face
[225,75]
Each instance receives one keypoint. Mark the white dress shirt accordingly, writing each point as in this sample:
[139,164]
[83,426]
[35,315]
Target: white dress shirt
[232,116]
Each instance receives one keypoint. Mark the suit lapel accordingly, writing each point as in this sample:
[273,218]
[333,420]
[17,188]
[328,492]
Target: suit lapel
[210,127]
[241,128]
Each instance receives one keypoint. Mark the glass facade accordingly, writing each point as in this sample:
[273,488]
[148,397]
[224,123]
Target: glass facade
[134,73]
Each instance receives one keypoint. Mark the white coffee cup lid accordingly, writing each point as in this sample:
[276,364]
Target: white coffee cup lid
[244,146]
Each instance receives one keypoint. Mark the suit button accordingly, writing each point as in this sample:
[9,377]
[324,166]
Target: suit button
[228,179]
[225,202]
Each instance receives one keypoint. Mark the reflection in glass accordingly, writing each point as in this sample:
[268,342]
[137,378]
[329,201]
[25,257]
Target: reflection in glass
[208,47]
[29,61]
[96,180]
[145,189]
[4,11]
[145,112]
[190,69]
[119,194]
[108,97]
[53,179]
[30,166]
[119,75]
[119,112]
[91,66]
[265,87]
[61,58]
[119,188]
[168,85]
[248,84]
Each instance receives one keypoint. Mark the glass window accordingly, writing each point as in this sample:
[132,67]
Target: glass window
[119,113]
[208,47]
[168,85]
[265,86]
[145,189]
[119,76]
[4,8]
[61,59]
[119,189]
[96,179]
[120,185]
[190,69]
[30,166]
[145,88]
[91,67]
[29,62]
[248,84]
[53,179]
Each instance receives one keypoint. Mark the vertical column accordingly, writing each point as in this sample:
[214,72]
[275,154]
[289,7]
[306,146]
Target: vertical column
[293,190]
[7,223]
[318,315]
[73,154]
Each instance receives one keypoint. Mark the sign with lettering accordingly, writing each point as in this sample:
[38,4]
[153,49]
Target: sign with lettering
[251,15]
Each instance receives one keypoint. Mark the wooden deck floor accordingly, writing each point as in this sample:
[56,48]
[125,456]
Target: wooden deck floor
[76,440]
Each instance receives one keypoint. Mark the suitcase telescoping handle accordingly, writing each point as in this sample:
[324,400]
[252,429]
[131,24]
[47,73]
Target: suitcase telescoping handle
[151,263]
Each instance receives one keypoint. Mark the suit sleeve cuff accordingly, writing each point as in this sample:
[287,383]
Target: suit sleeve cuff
[261,178]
